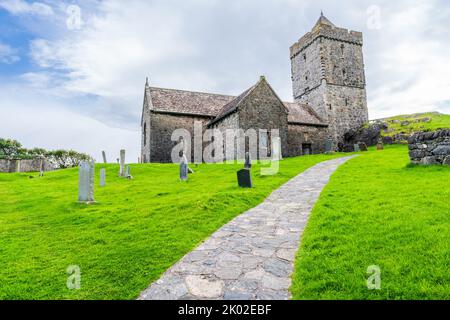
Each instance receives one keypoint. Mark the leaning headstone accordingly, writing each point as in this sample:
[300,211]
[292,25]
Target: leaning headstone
[122,163]
[328,146]
[183,168]
[128,173]
[248,162]
[356,147]
[362,146]
[102,177]
[104,156]
[244,178]
[86,182]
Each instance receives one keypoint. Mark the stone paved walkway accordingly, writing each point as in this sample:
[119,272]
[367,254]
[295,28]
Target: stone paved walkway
[252,256]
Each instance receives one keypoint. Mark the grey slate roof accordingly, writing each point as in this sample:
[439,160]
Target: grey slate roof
[189,102]
[217,105]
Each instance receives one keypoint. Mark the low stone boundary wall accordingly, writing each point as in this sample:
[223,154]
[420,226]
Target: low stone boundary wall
[25,165]
[430,147]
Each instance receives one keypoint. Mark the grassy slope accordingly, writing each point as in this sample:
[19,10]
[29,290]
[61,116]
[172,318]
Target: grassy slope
[137,230]
[438,121]
[378,210]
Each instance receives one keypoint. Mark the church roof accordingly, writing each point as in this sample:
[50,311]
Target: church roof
[188,102]
[302,113]
[323,21]
[217,106]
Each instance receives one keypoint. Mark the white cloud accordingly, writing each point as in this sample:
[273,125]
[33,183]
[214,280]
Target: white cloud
[8,54]
[45,123]
[18,7]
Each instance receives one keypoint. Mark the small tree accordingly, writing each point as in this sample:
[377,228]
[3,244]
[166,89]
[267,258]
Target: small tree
[11,149]
[67,158]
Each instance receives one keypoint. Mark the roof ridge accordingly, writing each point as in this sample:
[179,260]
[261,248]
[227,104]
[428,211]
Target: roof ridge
[202,92]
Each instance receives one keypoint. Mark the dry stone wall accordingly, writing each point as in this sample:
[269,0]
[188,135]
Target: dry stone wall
[430,147]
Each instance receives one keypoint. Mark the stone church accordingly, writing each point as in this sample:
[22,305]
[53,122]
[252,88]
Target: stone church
[329,99]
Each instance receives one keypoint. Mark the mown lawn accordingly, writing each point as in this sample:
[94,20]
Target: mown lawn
[137,230]
[378,210]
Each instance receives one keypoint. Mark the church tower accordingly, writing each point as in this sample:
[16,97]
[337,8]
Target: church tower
[328,74]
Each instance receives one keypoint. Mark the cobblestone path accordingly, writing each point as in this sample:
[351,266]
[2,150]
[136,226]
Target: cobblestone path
[251,257]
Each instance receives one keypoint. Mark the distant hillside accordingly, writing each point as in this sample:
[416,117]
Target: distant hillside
[407,124]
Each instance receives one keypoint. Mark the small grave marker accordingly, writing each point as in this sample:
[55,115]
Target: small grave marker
[184,168]
[102,177]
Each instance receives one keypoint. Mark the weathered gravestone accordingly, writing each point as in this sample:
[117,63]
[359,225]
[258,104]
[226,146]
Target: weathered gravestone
[276,149]
[245,178]
[102,177]
[122,163]
[86,182]
[104,156]
[362,146]
[356,148]
[328,146]
[41,167]
[183,168]
[248,162]
[380,145]
[128,173]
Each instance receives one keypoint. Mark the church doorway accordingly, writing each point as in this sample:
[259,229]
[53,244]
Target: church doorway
[307,149]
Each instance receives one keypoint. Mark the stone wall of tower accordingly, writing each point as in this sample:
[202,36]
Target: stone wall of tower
[328,74]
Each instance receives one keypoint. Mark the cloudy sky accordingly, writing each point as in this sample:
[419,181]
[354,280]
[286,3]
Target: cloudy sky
[72,73]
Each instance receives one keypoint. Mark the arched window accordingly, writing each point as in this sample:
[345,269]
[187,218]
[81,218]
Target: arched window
[342,49]
[145,134]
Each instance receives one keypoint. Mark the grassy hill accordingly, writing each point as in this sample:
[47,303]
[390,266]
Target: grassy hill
[407,124]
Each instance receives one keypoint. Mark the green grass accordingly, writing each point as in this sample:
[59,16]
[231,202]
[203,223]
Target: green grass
[437,121]
[137,230]
[378,210]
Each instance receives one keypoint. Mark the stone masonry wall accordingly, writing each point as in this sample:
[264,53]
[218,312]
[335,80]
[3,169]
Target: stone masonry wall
[298,135]
[262,109]
[430,147]
[24,165]
[162,126]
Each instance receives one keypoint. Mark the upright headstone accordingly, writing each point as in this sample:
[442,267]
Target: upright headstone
[139,160]
[380,145]
[118,161]
[362,146]
[102,177]
[356,147]
[183,168]
[128,173]
[18,165]
[104,157]
[245,178]
[248,161]
[122,163]
[86,182]
[41,167]
[328,146]
[276,148]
